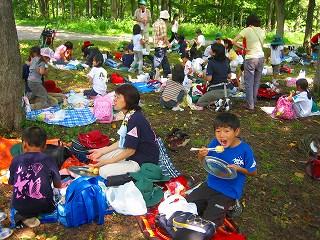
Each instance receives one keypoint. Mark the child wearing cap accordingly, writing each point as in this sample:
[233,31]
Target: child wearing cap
[276,47]
[89,51]
[98,77]
[215,196]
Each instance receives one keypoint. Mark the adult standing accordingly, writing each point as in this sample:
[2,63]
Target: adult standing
[143,16]
[254,58]
[161,43]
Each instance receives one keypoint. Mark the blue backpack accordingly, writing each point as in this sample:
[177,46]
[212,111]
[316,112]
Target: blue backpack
[85,202]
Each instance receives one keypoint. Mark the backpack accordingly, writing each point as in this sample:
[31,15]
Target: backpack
[284,109]
[85,202]
[313,168]
[103,109]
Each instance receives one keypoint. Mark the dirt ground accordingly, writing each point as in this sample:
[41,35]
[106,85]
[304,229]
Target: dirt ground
[280,203]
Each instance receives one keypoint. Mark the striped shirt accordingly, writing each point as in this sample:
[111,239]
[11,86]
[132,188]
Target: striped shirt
[160,33]
[171,91]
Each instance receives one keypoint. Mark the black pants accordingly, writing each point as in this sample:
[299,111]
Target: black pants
[211,204]
[171,104]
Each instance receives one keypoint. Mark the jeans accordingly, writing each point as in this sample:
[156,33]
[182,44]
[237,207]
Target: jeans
[161,59]
[252,76]
[90,93]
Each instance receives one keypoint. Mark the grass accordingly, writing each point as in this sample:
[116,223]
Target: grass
[122,27]
[265,216]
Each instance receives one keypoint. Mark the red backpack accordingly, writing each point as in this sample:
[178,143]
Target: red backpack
[313,168]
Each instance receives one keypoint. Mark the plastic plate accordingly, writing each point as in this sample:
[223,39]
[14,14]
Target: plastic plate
[219,168]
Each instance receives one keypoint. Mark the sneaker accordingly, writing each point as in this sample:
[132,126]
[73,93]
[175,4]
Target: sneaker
[5,233]
[31,222]
[177,108]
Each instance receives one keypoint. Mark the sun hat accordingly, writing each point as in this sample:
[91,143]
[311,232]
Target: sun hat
[277,40]
[152,195]
[150,171]
[218,168]
[142,2]
[218,35]
[46,52]
[164,14]
[86,44]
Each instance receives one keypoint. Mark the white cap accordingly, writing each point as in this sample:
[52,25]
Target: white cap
[46,52]
[164,14]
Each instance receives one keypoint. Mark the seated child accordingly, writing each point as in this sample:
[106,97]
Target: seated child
[215,196]
[63,53]
[188,71]
[98,77]
[182,44]
[173,91]
[89,52]
[302,100]
[127,57]
[31,175]
[34,52]
[37,70]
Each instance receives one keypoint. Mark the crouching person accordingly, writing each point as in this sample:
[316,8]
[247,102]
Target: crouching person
[31,175]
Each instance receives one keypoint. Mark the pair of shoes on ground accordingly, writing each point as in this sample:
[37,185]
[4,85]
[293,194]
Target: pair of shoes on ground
[177,108]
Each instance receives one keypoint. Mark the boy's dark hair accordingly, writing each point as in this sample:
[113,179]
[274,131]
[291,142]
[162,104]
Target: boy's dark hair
[220,52]
[185,55]
[34,136]
[136,29]
[69,45]
[253,20]
[226,120]
[131,96]
[181,37]
[35,49]
[198,31]
[99,59]
[303,84]
[178,73]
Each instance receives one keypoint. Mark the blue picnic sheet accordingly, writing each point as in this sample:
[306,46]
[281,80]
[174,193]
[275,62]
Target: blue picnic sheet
[73,117]
[144,87]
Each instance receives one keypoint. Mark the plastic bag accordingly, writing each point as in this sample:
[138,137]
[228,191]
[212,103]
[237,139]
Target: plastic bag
[126,199]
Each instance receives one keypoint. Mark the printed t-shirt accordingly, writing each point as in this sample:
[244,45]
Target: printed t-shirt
[99,80]
[59,50]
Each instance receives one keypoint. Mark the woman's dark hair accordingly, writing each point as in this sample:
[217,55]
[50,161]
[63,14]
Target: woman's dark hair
[36,50]
[69,45]
[136,29]
[229,44]
[253,20]
[219,52]
[99,59]
[178,73]
[303,84]
[186,54]
[34,136]
[131,96]
[174,17]
[226,120]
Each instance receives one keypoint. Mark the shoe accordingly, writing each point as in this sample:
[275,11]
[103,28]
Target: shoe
[177,108]
[31,222]
[5,233]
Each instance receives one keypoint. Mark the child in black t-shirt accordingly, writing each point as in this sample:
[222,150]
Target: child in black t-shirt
[31,175]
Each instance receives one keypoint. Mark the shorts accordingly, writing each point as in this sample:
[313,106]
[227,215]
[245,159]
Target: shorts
[211,205]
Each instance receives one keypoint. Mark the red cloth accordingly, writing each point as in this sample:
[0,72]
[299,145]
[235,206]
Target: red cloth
[93,139]
[118,55]
[116,78]
[51,86]
[315,38]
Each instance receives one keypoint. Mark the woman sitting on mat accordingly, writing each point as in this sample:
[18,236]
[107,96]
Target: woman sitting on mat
[137,143]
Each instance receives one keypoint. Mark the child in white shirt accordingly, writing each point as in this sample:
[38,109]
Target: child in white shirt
[138,43]
[98,77]
[302,100]
[276,53]
[188,71]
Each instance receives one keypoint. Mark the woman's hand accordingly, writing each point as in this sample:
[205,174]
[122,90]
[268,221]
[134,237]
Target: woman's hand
[95,154]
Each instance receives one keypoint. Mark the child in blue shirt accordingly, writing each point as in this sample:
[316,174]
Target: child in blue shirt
[214,197]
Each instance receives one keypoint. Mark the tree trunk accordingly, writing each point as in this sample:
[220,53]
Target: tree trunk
[71,9]
[164,5]
[309,22]
[273,19]
[114,12]
[42,7]
[10,71]
[152,10]
[63,6]
[280,10]
[133,6]
[270,15]
[90,8]
[52,8]
[170,9]
[57,8]
[318,18]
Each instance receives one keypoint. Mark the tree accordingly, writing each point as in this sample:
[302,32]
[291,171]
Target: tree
[10,70]
[309,22]
[280,12]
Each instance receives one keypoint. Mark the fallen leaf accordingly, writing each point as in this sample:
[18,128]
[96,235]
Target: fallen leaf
[292,161]
[263,175]
[292,145]
[113,125]
[190,112]
[299,174]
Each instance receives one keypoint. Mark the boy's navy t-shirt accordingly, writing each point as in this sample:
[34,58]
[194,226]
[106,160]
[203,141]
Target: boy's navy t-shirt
[241,155]
[142,138]
[219,71]
[31,175]
[127,59]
